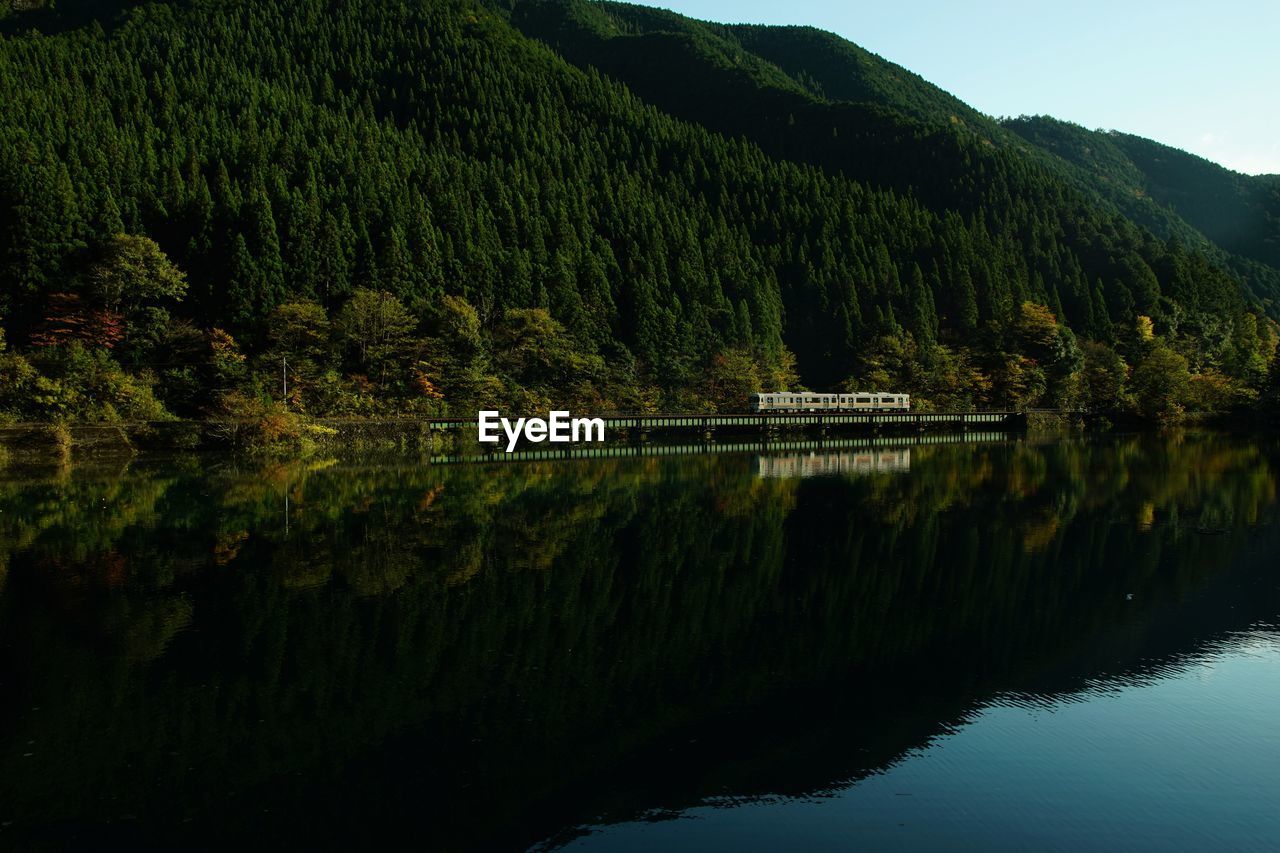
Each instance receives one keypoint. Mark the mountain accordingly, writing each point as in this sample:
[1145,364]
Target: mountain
[1240,213]
[743,78]
[442,203]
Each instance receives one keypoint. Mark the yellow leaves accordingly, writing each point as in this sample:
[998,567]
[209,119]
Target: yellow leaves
[422,381]
[1146,329]
[1036,326]
[225,348]
[1212,391]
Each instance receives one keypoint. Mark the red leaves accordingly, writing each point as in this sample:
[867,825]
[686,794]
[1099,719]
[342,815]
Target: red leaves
[423,384]
[67,319]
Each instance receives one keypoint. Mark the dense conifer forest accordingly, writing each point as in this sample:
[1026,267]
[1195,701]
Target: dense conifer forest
[423,207]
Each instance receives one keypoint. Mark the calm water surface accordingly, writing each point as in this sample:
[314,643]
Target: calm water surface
[985,645]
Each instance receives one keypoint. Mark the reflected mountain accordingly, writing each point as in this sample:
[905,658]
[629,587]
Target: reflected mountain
[201,650]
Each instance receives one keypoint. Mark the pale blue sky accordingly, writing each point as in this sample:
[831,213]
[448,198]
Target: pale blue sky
[1201,76]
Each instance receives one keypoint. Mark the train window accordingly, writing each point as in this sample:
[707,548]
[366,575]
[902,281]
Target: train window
[863,400]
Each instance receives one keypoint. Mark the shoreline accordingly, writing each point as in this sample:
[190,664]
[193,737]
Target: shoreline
[51,442]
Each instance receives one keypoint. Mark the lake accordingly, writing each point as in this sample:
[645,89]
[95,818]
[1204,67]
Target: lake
[986,644]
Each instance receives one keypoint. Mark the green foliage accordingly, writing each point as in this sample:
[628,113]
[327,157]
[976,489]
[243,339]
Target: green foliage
[258,424]
[79,383]
[938,377]
[1173,193]
[456,358]
[132,272]
[536,353]
[1105,379]
[225,360]
[16,378]
[377,327]
[1161,383]
[24,393]
[302,331]
[731,377]
[603,240]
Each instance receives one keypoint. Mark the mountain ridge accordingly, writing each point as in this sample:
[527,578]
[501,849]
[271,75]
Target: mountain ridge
[833,69]
[445,203]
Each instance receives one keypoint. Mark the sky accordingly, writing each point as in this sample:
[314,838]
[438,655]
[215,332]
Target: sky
[1200,76]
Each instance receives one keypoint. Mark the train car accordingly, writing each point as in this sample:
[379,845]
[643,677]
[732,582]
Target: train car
[868,401]
[807,401]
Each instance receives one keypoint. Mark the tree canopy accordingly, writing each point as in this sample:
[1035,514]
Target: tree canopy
[513,220]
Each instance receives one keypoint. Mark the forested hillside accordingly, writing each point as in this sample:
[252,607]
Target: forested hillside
[1240,213]
[413,207]
[832,69]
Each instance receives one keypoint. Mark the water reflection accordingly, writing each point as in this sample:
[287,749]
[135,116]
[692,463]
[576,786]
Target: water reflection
[828,464]
[494,655]
[770,447]
[1176,754]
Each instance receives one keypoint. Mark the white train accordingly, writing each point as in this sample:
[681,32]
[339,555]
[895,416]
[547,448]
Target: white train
[805,401]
